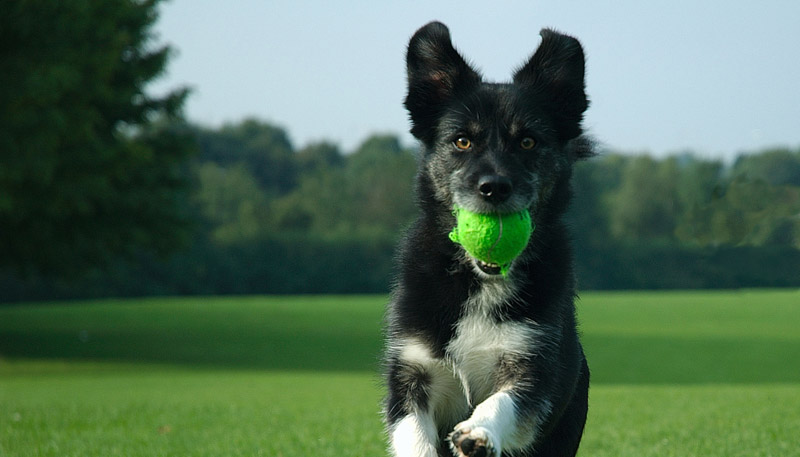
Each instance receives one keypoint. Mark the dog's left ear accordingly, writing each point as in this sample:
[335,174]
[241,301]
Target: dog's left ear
[556,72]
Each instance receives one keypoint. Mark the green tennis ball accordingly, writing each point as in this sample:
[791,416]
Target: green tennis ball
[493,238]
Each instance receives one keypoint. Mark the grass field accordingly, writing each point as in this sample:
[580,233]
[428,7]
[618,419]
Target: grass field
[674,374]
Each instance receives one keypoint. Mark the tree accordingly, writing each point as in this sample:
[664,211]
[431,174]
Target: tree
[319,157]
[369,194]
[231,202]
[380,175]
[645,207]
[774,166]
[263,148]
[90,163]
[592,181]
[747,213]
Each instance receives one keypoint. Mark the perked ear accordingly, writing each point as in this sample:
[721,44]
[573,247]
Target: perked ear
[556,71]
[436,73]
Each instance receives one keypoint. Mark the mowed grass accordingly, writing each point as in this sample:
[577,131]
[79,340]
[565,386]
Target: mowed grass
[674,374]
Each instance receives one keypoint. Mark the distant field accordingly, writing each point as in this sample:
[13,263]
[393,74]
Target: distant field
[674,374]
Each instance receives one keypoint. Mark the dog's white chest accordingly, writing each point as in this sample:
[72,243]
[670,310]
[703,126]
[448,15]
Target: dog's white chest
[479,346]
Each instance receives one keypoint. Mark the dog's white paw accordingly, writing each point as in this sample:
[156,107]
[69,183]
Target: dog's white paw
[467,441]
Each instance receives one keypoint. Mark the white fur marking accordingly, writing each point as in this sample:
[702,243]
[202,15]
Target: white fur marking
[412,350]
[414,436]
[481,342]
[480,345]
[493,293]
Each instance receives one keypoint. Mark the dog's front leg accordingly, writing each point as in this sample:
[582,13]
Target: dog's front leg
[409,408]
[495,426]
[423,396]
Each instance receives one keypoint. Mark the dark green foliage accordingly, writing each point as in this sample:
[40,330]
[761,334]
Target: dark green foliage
[683,201]
[645,205]
[317,192]
[264,149]
[86,175]
[319,157]
[232,203]
[682,222]
[367,193]
[330,221]
[745,212]
[777,167]
[667,266]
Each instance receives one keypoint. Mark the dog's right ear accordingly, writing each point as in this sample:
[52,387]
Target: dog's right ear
[436,73]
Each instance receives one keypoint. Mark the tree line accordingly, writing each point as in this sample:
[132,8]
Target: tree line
[266,217]
[106,189]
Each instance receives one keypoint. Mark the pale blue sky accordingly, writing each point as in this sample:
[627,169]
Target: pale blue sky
[718,77]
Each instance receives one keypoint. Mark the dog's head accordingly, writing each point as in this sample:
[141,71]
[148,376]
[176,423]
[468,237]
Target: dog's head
[496,147]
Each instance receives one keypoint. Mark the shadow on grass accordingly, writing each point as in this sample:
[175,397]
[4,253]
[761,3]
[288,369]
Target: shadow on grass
[265,333]
[341,333]
[613,359]
[274,351]
[662,360]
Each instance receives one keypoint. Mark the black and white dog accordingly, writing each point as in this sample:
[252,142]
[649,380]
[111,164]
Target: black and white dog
[479,363]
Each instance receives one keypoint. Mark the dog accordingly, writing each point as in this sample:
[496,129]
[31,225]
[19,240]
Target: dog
[479,363]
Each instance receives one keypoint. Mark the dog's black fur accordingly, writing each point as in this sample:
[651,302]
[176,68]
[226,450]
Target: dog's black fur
[478,363]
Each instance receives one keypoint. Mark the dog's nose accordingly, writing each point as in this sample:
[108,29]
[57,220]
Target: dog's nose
[495,188]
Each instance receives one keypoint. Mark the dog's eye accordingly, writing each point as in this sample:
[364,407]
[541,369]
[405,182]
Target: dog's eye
[527,143]
[463,143]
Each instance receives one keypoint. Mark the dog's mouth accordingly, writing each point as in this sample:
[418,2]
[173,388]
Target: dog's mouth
[492,269]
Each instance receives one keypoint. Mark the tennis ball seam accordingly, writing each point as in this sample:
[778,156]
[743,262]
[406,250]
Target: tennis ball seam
[499,236]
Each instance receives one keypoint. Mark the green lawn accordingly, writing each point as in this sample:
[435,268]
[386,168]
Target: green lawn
[674,374]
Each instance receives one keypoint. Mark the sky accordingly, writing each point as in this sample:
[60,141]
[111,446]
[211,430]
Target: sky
[718,78]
